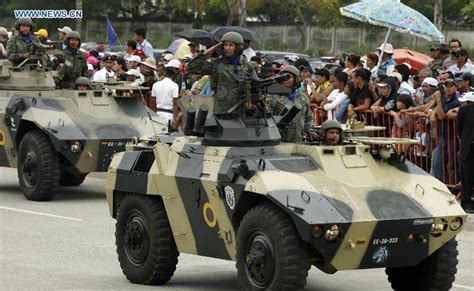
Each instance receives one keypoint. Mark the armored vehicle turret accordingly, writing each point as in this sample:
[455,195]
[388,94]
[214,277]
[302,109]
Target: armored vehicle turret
[56,137]
[229,189]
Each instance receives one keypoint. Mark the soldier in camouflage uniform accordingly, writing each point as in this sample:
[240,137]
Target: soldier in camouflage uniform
[74,60]
[20,46]
[303,122]
[230,72]
[439,53]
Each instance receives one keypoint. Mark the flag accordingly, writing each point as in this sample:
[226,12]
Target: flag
[111,35]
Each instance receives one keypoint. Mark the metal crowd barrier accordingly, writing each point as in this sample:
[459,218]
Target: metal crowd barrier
[442,163]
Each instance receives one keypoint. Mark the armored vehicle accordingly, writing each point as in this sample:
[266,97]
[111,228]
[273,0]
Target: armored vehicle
[56,137]
[229,189]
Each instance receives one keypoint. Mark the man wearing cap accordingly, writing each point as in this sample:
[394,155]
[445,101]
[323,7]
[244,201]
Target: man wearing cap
[42,35]
[388,64]
[62,34]
[166,93]
[465,131]
[307,86]
[462,65]
[133,61]
[133,76]
[74,60]
[231,74]
[464,82]
[443,165]
[142,43]
[165,58]
[20,46]
[429,87]
[106,72]
[439,53]
[149,65]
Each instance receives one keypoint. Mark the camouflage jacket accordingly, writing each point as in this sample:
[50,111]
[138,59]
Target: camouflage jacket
[303,121]
[435,65]
[76,66]
[16,47]
[230,82]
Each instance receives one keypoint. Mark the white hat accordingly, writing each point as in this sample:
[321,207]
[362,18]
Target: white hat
[168,57]
[150,62]
[65,29]
[133,58]
[187,56]
[388,48]
[173,64]
[430,81]
[396,75]
[133,72]
[292,58]
[468,96]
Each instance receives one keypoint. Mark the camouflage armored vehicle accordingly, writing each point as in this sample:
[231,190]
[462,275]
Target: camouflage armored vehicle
[56,137]
[229,189]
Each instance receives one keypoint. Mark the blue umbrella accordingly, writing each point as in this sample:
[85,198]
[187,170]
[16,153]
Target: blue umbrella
[393,15]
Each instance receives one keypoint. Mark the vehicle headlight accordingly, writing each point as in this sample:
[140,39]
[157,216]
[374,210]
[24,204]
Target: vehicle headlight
[76,147]
[455,223]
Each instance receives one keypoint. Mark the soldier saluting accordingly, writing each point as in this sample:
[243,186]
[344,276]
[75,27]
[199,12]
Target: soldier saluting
[230,72]
[20,46]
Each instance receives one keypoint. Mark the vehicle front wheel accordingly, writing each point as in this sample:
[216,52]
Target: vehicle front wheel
[270,253]
[437,272]
[145,244]
[38,167]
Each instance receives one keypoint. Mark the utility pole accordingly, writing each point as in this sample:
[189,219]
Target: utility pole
[438,14]
[79,20]
[243,13]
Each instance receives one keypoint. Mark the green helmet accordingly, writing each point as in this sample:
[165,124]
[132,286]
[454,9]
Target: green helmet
[330,124]
[293,70]
[73,34]
[25,21]
[234,37]
[83,81]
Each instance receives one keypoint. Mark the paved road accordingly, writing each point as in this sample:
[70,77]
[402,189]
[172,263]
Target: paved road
[69,243]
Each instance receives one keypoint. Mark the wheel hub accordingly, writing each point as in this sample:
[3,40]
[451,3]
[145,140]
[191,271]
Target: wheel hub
[136,241]
[260,260]
[30,168]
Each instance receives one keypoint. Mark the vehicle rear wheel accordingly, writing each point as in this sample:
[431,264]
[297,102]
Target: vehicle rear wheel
[270,253]
[145,244]
[70,179]
[38,167]
[437,272]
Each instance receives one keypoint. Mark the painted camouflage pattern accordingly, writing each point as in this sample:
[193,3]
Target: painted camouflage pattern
[101,122]
[375,204]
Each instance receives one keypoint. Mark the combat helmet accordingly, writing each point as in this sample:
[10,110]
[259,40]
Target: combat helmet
[73,34]
[234,37]
[25,21]
[293,70]
[330,124]
[82,81]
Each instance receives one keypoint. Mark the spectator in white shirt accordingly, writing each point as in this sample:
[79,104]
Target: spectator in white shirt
[337,95]
[166,93]
[462,65]
[142,44]
[248,51]
[106,72]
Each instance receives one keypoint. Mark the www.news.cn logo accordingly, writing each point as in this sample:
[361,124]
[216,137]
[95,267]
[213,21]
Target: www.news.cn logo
[48,13]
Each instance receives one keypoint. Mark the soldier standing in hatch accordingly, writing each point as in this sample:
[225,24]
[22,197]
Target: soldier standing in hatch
[230,72]
[20,45]
[439,53]
[303,121]
[74,60]
[332,132]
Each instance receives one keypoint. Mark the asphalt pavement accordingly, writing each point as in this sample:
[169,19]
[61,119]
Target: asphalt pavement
[69,243]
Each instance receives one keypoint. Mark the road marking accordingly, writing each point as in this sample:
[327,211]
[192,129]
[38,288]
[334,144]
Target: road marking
[463,287]
[39,213]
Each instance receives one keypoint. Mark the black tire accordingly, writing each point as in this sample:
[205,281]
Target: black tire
[270,253]
[145,244]
[69,179]
[38,167]
[437,272]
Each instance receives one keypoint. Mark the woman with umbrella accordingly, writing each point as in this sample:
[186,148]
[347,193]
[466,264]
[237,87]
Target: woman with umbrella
[231,73]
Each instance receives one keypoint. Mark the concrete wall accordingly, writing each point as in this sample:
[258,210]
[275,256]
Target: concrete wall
[331,40]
